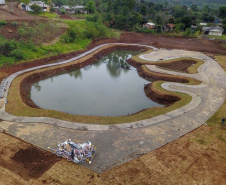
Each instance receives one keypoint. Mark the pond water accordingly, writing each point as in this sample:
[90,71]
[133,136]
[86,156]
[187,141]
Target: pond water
[105,88]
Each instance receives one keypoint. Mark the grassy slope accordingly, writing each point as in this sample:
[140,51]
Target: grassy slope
[58,47]
[45,14]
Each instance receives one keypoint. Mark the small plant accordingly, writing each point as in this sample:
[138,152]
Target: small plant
[14,23]
[201,141]
[188,32]
[3,22]
[223,45]
[17,54]
[63,11]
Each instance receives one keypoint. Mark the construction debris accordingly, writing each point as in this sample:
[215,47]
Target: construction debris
[78,153]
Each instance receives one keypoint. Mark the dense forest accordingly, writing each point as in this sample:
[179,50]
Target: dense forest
[200,3]
[132,14]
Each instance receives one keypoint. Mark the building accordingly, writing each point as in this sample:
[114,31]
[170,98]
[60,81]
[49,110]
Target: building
[203,24]
[2,2]
[168,27]
[149,25]
[216,31]
[74,9]
[67,9]
[79,9]
[45,7]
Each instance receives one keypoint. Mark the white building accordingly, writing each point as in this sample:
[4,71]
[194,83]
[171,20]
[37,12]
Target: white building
[203,24]
[216,31]
[149,25]
[2,2]
[27,7]
[80,8]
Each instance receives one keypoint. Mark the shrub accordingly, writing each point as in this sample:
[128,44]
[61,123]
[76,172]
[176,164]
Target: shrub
[188,32]
[37,9]
[94,18]
[17,54]
[6,46]
[63,11]
[72,34]
[3,22]
[14,23]
[91,32]
[145,30]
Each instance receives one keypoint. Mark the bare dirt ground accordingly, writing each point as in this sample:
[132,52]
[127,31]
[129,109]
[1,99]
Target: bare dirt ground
[10,31]
[191,159]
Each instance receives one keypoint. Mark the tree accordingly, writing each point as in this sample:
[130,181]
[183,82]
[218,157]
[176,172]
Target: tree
[59,2]
[180,13]
[171,20]
[143,10]
[90,7]
[25,1]
[206,9]
[129,3]
[222,11]
[158,20]
[36,8]
[194,8]
[49,2]
[224,21]
[187,21]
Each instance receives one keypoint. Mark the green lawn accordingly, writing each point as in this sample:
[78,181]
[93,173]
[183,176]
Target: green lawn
[223,37]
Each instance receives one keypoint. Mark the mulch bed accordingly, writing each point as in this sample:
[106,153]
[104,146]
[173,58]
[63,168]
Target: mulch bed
[35,161]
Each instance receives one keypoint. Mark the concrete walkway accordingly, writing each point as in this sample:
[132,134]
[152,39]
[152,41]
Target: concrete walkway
[119,143]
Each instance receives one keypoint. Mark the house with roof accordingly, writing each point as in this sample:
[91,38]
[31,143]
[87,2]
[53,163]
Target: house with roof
[67,8]
[213,30]
[168,27]
[74,9]
[45,7]
[2,2]
[79,9]
[149,25]
[203,24]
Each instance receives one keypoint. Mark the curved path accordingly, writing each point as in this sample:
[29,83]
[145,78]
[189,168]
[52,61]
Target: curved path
[115,143]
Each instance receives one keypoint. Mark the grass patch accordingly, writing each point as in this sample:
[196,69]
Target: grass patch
[201,141]
[45,14]
[222,37]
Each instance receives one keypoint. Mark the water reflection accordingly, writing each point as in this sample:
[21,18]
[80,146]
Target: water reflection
[76,73]
[116,63]
[37,86]
[109,87]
